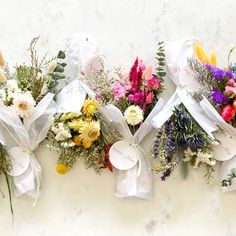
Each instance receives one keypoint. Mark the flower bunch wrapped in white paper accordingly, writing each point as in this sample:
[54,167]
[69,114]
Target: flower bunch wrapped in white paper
[218,100]
[78,131]
[184,133]
[129,102]
[26,103]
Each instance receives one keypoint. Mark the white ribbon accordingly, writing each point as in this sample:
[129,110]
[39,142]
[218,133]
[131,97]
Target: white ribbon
[27,135]
[177,67]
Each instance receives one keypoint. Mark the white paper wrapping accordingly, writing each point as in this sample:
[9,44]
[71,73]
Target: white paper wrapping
[27,135]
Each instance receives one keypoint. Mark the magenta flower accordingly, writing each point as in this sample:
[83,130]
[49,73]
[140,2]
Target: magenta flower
[154,83]
[135,75]
[118,91]
[137,98]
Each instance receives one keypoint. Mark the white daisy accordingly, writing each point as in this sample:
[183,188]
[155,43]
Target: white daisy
[133,115]
[23,104]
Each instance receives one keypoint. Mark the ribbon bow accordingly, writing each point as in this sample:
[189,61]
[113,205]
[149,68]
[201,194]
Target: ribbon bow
[25,137]
[176,57]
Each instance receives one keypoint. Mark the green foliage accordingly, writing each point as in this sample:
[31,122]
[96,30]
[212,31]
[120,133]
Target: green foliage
[5,167]
[37,78]
[160,56]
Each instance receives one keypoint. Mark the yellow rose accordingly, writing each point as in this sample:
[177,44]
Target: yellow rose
[77,140]
[87,144]
[90,107]
[61,169]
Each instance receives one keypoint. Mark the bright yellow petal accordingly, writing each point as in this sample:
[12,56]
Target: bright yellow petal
[213,59]
[201,53]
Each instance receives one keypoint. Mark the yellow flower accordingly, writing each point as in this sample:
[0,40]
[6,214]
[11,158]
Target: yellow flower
[202,55]
[76,124]
[2,61]
[68,116]
[87,144]
[90,106]
[61,169]
[213,59]
[77,140]
[90,131]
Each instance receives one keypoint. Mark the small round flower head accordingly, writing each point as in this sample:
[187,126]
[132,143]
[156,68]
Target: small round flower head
[90,107]
[133,115]
[62,169]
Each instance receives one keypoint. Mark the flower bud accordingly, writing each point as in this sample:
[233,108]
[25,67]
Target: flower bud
[52,66]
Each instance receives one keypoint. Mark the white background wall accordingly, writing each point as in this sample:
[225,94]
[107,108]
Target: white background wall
[83,203]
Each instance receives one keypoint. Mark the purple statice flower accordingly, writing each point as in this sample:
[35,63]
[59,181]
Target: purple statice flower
[219,73]
[218,97]
[229,74]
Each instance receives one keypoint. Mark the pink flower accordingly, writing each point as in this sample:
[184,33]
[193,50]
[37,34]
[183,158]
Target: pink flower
[149,98]
[137,98]
[230,88]
[154,83]
[147,74]
[118,91]
[142,66]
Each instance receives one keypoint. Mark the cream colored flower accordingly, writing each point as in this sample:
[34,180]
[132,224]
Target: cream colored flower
[2,61]
[23,104]
[133,115]
[12,85]
[62,133]
[90,131]
[3,77]
[52,66]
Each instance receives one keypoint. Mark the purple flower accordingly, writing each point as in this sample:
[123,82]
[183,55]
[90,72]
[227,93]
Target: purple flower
[219,73]
[218,97]
[229,74]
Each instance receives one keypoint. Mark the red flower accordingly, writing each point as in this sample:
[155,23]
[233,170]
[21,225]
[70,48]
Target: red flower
[107,158]
[227,112]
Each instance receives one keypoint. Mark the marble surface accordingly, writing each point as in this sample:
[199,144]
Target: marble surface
[83,203]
